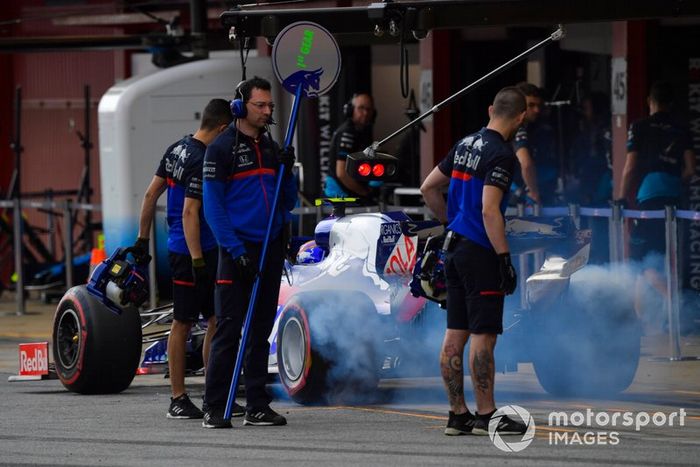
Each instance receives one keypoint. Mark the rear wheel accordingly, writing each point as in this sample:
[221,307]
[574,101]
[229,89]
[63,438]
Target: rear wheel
[96,351]
[582,349]
[328,347]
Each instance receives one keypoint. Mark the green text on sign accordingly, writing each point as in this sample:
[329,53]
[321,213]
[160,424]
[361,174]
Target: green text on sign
[307,41]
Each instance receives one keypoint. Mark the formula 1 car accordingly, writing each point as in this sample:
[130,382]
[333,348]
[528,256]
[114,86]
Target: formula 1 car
[363,302]
[371,308]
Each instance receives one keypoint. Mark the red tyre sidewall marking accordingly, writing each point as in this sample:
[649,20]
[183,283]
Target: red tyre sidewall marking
[83,334]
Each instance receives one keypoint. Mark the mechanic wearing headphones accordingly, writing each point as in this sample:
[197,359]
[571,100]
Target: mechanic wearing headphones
[240,173]
[354,134]
[191,245]
[479,170]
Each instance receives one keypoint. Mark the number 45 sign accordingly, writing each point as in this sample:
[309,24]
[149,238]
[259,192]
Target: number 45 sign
[619,86]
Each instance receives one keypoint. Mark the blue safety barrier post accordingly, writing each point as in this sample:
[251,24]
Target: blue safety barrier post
[261,264]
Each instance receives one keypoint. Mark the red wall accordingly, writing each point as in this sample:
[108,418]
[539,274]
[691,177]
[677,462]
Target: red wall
[53,96]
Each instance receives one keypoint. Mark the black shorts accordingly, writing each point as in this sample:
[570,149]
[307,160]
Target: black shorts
[474,298]
[649,235]
[190,299]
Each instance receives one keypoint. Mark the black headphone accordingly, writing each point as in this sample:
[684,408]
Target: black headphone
[238,109]
[349,108]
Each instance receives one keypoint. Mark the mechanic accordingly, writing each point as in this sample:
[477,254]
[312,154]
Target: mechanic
[353,135]
[479,170]
[534,148]
[192,248]
[660,155]
[240,172]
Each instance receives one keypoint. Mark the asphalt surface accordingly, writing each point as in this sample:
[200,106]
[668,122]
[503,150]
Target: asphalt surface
[43,424]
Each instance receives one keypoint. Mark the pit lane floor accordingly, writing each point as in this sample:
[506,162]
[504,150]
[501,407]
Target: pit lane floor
[42,424]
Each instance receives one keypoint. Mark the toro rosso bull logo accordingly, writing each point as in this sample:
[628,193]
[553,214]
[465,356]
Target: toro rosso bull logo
[308,80]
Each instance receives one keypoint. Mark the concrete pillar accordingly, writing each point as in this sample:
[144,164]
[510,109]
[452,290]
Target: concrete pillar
[436,85]
[629,87]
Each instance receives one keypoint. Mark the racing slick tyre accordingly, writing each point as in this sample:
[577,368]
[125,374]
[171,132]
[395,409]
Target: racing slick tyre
[582,349]
[328,347]
[96,351]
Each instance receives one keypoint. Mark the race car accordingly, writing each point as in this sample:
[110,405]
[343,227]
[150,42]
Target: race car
[370,308]
[362,301]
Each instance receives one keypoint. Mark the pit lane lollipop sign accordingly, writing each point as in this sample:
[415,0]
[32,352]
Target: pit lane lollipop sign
[305,54]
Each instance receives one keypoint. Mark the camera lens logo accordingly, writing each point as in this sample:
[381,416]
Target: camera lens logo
[514,412]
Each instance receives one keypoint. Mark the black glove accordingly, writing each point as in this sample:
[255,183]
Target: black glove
[244,269]
[286,156]
[199,272]
[509,279]
[140,251]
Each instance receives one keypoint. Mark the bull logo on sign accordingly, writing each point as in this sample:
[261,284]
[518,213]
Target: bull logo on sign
[309,80]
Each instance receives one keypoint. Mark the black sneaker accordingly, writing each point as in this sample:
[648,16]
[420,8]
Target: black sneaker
[183,408]
[461,424]
[506,426]
[236,411]
[263,417]
[215,419]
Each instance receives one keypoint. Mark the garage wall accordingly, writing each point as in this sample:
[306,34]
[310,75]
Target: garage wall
[53,106]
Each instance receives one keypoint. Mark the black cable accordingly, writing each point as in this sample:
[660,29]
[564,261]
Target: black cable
[244,44]
[154,17]
[403,67]
[235,146]
[244,49]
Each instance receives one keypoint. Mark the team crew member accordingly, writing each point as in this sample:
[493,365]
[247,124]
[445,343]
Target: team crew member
[353,135]
[660,155]
[191,245]
[240,171]
[479,170]
[534,148]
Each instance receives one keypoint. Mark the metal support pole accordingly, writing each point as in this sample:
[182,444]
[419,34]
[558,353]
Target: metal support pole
[672,295]
[614,233]
[522,266]
[575,213]
[152,279]
[19,260]
[555,36]
[68,241]
[537,255]
[537,209]
[621,236]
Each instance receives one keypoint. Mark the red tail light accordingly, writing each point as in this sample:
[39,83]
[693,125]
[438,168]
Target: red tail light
[364,169]
[378,170]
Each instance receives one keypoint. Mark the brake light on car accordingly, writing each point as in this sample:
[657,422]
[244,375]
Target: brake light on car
[364,169]
[371,166]
[378,170]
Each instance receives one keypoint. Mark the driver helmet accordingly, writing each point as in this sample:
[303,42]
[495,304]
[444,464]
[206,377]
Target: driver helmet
[310,253]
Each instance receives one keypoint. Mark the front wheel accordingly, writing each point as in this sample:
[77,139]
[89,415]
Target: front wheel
[328,347]
[96,351]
